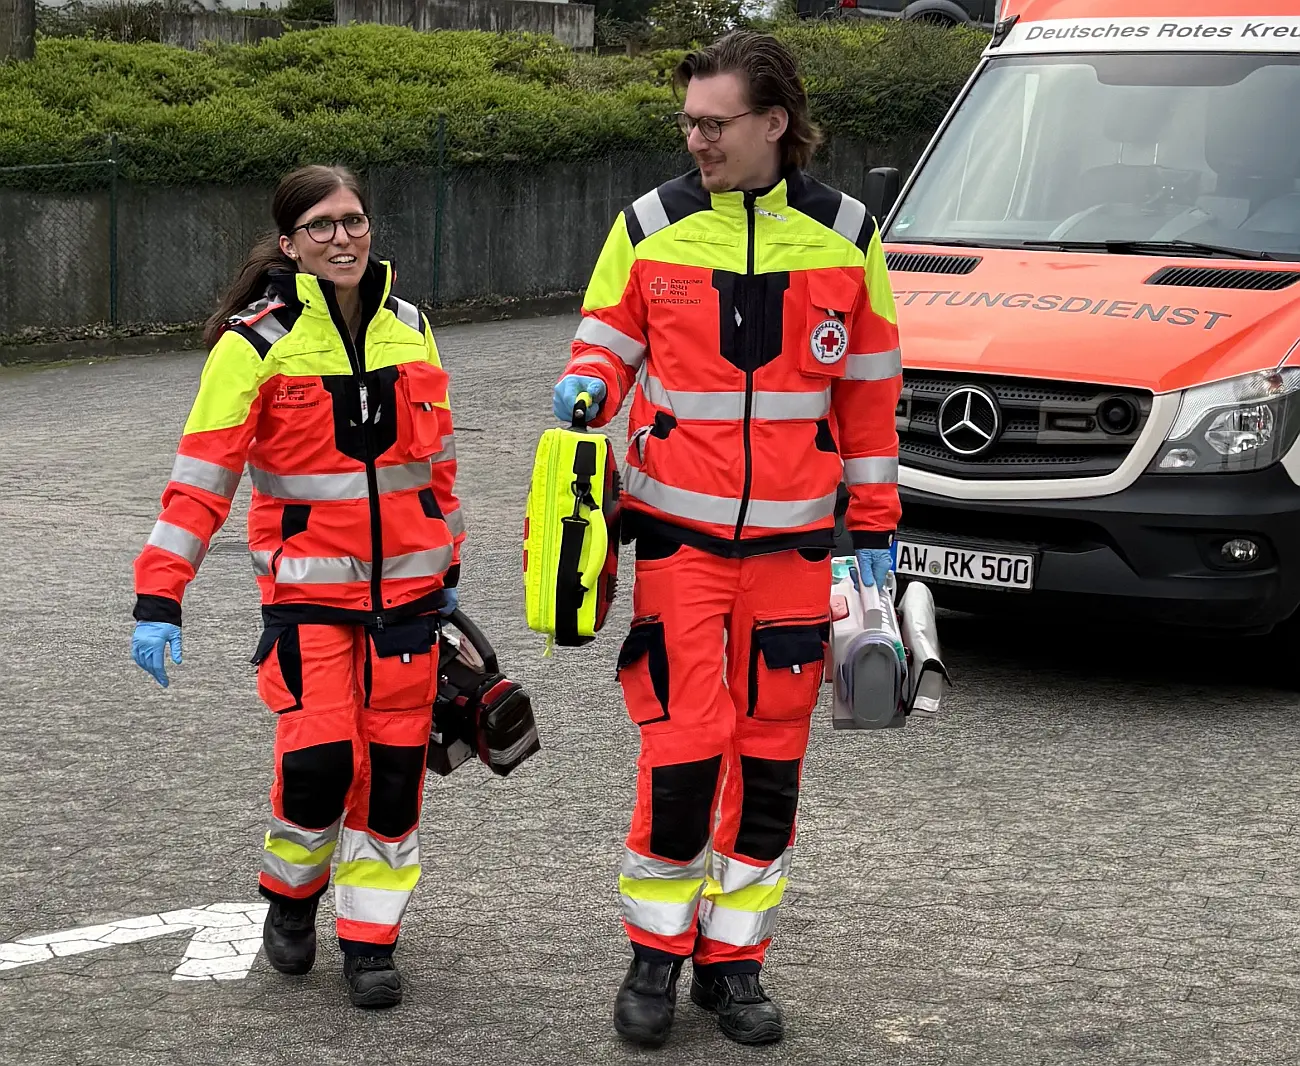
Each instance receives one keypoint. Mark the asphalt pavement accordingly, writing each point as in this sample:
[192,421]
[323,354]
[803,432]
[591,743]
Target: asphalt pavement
[1091,858]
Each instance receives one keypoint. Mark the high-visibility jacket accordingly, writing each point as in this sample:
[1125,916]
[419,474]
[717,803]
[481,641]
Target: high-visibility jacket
[350,452]
[757,334]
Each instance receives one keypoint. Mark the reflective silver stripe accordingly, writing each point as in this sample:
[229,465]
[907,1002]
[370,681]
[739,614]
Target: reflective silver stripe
[428,563]
[873,470]
[787,514]
[650,213]
[730,406]
[455,522]
[850,217]
[211,477]
[343,569]
[321,570]
[644,868]
[268,328]
[309,839]
[178,541]
[874,366]
[380,906]
[448,451]
[348,486]
[291,873]
[683,503]
[721,510]
[662,919]
[354,844]
[734,874]
[594,331]
[408,314]
[738,928]
[591,357]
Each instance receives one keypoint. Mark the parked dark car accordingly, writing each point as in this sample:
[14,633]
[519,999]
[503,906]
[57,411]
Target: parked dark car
[949,12]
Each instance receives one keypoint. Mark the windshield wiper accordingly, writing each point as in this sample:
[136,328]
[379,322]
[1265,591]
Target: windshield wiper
[955,242]
[1178,247]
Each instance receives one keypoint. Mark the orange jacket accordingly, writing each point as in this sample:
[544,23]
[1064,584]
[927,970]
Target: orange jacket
[758,338]
[349,450]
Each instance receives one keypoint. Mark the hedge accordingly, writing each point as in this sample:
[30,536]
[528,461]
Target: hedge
[371,96]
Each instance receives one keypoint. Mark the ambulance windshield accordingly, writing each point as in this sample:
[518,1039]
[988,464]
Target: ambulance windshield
[1132,151]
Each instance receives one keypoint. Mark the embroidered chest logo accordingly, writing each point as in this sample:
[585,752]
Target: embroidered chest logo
[829,342]
[674,290]
[295,394]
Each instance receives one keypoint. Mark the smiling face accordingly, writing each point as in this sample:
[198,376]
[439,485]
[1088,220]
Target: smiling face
[342,257]
[747,153]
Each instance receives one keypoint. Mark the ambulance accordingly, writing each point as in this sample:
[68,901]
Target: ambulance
[1096,264]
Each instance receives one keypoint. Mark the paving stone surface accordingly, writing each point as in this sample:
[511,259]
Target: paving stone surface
[1090,859]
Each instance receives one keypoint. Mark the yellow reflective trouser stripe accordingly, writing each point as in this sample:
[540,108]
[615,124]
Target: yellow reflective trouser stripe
[371,873]
[754,898]
[660,890]
[297,854]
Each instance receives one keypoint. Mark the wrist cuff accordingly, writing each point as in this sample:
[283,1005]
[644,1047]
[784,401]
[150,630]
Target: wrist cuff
[157,609]
[871,538]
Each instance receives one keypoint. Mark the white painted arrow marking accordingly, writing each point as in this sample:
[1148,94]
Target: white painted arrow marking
[224,946]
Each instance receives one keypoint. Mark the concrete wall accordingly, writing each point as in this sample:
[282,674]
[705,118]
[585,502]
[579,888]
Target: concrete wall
[191,30]
[507,231]
[573,24]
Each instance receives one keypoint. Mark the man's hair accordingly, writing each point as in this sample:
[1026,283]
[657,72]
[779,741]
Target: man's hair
[772,75]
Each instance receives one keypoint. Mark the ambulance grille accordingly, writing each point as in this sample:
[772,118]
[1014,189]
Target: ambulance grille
[1049,429]
[1221,278]
[929,263]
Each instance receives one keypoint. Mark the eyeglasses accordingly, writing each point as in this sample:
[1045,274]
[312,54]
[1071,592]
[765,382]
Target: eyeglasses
[710,127]
[323,230]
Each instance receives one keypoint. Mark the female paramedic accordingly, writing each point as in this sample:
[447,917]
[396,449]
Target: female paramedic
[331,389]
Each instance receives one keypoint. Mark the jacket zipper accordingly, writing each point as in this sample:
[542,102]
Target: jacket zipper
[749,368]
[357,358]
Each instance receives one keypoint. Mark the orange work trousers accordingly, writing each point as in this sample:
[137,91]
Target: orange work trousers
[721,671]
[354,707]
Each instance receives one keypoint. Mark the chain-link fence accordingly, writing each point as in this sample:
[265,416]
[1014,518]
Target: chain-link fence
[80,245]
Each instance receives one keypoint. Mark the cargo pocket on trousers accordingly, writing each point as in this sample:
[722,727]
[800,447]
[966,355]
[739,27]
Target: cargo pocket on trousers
[786,663]
[643,671]
[278,659]
[401,668]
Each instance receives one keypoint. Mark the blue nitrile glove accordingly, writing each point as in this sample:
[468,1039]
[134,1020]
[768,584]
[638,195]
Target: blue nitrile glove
[450,600]
[874,564]
[147,644]
[566,395]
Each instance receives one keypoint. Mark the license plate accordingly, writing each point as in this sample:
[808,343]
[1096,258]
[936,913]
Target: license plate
[965,566]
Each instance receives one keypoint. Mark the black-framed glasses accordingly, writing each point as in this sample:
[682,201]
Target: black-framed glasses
[322,230]
[710,126]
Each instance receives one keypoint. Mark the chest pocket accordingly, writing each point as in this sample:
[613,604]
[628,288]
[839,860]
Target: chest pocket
[424,386]
[831,296]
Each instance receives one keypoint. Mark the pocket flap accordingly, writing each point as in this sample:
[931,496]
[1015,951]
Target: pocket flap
[643,638]
[833,290]
[270,635]
[425,383]
[414,637]
[784,647]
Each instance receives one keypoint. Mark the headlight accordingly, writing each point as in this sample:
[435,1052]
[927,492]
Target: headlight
[1243,423]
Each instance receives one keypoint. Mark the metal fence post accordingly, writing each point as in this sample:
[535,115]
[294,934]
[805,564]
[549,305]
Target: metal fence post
[112,230]
[439,198]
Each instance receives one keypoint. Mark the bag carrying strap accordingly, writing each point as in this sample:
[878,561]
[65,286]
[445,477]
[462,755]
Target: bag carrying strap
[569,589]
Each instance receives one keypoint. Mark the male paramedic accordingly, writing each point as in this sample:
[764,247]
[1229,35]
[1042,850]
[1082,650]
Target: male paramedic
[745,311]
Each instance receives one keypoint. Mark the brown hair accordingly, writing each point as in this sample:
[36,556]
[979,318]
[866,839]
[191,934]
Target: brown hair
[773,76]
[298,192]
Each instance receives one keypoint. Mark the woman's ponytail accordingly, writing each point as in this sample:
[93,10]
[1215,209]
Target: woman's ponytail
[250,283]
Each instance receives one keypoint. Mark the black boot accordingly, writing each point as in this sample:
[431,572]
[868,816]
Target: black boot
[745,1013]
[373,981]
[289,934]
[643,1009]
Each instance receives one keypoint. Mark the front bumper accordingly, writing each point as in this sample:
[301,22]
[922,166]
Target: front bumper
[1150,551]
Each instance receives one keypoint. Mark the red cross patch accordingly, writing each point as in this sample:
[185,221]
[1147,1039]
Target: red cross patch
[658,286]
[829,342]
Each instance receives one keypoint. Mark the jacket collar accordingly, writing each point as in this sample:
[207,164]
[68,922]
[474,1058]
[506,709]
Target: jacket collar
[773,198]
[311,295]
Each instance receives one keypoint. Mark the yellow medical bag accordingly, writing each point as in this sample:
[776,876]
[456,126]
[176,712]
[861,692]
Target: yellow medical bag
[571,533]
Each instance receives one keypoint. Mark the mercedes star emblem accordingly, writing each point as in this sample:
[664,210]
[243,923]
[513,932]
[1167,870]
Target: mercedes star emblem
[969,421]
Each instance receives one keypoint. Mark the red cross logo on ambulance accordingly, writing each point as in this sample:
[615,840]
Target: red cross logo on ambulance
[830,340]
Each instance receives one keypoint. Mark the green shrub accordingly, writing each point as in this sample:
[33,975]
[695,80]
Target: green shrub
[371,96]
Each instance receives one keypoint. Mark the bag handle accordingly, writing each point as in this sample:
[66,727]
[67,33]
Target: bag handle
[475,636]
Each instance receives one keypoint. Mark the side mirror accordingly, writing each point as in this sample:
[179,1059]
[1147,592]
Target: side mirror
[883,184]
